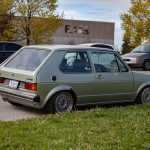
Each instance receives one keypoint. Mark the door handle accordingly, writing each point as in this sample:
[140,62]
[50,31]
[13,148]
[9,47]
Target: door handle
[99,77]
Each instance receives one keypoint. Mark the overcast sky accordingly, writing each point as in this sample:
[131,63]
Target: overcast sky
[96,10]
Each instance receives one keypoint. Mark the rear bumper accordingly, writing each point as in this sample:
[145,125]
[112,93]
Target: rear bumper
[8,94]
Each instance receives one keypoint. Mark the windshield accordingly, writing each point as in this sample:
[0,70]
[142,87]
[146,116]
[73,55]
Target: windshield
[28,59]
[142,49]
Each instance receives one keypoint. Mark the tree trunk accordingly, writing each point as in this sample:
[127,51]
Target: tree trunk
[28,41]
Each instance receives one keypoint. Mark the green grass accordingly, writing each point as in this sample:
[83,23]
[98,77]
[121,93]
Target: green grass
[119,128]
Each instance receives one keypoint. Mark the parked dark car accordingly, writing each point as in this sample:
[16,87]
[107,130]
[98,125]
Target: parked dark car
[7,49]
[139,57]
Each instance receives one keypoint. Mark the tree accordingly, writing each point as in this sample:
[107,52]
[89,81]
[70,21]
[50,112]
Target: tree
[6,28]
[36,20]
[136,22]
[126,46]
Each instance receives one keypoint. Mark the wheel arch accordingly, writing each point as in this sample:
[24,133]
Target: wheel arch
[146,60]
[61,88]
[140,89]
[144,63]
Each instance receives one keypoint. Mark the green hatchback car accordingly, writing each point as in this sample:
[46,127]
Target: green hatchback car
[60,77]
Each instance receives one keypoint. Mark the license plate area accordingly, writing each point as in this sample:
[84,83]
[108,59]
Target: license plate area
[13,84]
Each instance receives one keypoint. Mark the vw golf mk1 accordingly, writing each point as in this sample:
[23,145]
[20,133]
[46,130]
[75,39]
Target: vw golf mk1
[60,77]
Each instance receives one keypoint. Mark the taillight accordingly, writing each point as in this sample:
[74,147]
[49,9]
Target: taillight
[31,86]
[2,79]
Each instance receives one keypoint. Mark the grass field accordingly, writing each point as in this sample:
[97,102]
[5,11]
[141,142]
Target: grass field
[118,128]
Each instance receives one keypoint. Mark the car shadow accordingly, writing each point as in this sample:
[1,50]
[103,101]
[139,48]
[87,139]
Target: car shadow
[41,112]
[31,110]
[104,106]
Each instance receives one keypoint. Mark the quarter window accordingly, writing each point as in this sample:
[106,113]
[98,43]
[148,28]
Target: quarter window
[75,62]
[122,67]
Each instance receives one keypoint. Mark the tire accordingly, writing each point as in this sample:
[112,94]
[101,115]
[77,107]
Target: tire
[144,96]
[146,65]
[14,104]
[61,102]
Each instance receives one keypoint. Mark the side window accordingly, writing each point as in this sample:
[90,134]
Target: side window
[12,47]
[121,65]
[2,47]
[104,62]
[75,62]
[146,48]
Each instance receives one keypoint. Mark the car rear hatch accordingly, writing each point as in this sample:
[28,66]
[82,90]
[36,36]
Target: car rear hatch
[16,86]
[14,79]
[23,66]
[18,74]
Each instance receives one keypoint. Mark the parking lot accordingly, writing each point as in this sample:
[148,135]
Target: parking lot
[9,112]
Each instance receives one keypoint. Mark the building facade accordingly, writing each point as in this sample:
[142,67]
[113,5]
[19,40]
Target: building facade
[77,32]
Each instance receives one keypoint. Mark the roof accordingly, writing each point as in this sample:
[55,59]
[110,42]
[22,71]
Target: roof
[62,47]
[72,20]
[146,44]
[89,44]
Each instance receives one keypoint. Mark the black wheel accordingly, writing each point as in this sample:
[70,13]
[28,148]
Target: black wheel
[144,97]
[60,103]
[14,104]
[146,65]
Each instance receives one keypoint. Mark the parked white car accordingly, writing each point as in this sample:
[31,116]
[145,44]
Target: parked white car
[100,45]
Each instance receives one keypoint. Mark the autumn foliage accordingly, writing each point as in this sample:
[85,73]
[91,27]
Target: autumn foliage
[33,20]
[136,24]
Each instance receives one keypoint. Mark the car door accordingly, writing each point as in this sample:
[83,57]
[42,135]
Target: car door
[76,71]
[113,81]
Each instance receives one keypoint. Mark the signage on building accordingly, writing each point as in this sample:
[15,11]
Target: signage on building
[76,29]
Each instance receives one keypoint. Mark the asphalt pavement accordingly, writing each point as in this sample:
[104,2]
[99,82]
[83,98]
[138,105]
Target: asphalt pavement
[8,112]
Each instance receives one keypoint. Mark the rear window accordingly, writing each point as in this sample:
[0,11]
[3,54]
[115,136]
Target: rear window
[28,59]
